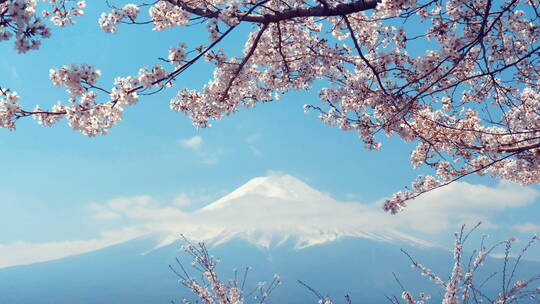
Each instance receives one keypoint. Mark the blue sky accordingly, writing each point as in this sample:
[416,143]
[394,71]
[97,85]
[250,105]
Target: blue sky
[52,175]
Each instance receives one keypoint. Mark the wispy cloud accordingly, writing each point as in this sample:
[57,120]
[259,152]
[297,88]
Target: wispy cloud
[23,253]
[251,142]
[211,157]
[461,202]
[194,142]
[204,154]
[182,200]
[101,212]
[527,228]
[137,207]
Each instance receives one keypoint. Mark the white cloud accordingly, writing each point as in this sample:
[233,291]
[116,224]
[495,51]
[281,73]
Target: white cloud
[527,228]
[251,142]
[194,142]
[24,253]
[461,202]
[206,156]
[211,158]
[137,207]
[101,212]
[182,200]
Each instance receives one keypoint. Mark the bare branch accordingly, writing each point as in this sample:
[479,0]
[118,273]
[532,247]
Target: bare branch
[298,12]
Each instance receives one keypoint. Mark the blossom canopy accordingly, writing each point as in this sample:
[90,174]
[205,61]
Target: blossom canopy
[460,78]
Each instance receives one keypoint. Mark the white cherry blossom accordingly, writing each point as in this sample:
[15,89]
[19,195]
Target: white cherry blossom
[460,79]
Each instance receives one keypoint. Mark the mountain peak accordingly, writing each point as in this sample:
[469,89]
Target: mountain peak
[284,187]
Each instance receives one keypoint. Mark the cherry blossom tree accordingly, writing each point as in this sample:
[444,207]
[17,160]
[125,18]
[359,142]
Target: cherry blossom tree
[210,288]
[460,78]
[464,284]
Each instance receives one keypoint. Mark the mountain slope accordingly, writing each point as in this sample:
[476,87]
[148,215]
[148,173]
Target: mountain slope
[125,274]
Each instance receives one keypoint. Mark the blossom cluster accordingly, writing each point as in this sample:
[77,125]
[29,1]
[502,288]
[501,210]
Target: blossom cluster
[73,77]
[8,108]
[60,16]
[20,19]
[109,21]
[165,15]
[83,110]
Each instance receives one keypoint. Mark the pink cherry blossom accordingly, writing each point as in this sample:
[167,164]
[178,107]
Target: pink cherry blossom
[460,79]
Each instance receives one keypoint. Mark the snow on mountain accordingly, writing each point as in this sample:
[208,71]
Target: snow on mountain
[269,211]
[284,187]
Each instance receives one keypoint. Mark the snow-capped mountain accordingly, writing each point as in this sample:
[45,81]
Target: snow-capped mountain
[268,211]
[265,211]
[276,224]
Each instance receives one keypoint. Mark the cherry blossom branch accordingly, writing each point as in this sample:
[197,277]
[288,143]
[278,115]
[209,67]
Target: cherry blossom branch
[359,50]
[471,101]
[328,10]
[211,288]
[244,61]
